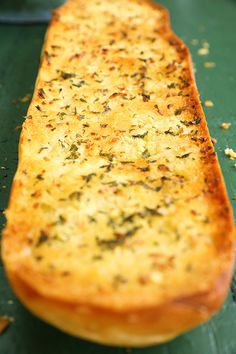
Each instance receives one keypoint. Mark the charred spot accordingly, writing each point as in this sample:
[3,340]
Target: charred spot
[163,168]
[196,121]
[75,195]
[42,239]
[184,156]
[41,93]
[66,75]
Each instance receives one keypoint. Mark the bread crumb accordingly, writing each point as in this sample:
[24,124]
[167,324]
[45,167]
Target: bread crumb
[209,103]
[214,141]
[205,44]
[195,41]
[203,51]
[209,64]
[24,99]
[4,323]
[231,153]
[225,125]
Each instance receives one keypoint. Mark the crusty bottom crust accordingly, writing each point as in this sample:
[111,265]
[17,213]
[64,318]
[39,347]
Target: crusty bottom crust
[140,328]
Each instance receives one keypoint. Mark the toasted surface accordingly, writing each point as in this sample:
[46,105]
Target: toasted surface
[119,228]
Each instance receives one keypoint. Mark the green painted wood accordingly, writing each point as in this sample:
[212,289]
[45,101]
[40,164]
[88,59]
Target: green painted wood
[211,20]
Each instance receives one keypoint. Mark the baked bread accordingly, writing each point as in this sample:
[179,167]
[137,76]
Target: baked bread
[119,228]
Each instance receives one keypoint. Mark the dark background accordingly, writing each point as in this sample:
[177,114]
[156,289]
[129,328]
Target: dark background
[20,46]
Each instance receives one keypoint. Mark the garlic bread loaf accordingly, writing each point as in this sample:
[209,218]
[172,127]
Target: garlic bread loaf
[119,228]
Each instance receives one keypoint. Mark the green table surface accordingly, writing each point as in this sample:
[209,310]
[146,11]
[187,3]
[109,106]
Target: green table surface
[210,20]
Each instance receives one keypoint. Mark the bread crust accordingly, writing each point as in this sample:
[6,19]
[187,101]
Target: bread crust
[107,319]
[131,327]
